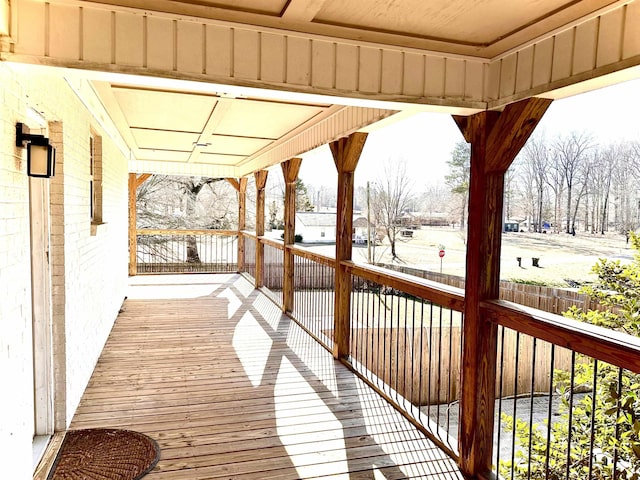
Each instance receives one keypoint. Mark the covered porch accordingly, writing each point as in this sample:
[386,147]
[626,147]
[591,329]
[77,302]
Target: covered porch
[227,377]
[232,388]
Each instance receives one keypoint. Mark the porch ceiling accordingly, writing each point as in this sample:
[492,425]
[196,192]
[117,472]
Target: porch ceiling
[223,88]
[183,131]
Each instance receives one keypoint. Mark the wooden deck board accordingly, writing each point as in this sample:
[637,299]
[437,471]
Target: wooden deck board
[231,388]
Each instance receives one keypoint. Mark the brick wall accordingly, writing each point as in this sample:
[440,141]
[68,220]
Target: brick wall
[16,413]
[88,265]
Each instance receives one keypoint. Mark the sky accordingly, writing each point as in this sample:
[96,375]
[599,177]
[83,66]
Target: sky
[426,140]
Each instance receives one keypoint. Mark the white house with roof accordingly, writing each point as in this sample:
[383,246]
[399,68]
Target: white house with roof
[316,226]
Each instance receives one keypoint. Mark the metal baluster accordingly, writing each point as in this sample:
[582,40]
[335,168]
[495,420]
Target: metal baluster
[531,405]
[573,374]
[550,412]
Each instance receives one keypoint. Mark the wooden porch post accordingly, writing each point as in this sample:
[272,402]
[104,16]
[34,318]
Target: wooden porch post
[290,170]
[134,182]
[241,187]
[496,138]
[346,153]
[133,239]
[261,182]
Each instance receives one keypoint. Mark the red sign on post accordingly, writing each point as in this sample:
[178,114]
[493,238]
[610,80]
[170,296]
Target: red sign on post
[441,253]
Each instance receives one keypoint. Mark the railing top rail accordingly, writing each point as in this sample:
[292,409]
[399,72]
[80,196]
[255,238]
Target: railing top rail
[441,294]
[247,233]
[314,257]
[151,231]
[279,244]
[600,343]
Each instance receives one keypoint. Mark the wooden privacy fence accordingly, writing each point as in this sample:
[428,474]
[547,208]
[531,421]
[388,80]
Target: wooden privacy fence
[548,299]
[432,376]
[415,362]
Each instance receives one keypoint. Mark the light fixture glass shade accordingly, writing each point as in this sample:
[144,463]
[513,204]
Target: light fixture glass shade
[40,160]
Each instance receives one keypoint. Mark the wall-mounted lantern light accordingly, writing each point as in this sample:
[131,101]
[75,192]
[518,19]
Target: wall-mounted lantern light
[41,156]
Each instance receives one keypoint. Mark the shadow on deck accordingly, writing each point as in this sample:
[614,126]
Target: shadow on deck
[232,388]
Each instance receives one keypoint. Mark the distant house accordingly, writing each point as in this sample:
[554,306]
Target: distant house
[316,226]
[511,226]
[360,230]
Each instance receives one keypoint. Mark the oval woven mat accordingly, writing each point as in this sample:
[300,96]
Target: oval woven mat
[103,454]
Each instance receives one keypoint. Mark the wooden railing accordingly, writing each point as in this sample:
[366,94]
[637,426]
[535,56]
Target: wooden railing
[548,299]
[273,268]
[314,294]
[249,264]
[406,342]
[179,251]
[572,406]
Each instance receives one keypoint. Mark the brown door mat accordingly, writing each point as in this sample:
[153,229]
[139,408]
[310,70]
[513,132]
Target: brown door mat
[100,453]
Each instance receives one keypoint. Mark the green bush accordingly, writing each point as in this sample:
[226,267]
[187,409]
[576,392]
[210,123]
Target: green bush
[605,421]
[297,238]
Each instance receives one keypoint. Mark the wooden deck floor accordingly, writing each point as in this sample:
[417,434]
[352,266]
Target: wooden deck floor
[231,388]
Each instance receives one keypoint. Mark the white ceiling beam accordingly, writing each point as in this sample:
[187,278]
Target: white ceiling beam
[217,115]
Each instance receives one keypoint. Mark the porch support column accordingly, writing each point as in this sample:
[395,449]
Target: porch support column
[290,170]
[496,138]
[241,187]
[133,239]
[346,153]
[261,182]
[134,182]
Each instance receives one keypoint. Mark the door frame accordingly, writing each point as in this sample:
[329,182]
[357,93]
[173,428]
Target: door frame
[41,303]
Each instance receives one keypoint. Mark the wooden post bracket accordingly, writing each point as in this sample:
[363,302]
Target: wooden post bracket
[261,182]
[290,170]
[346,153]
[496,138]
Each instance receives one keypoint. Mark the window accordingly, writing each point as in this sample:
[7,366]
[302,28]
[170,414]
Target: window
[92,167]
[95,181]
[322,233]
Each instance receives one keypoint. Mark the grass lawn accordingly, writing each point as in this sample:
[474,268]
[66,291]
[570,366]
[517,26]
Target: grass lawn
[561,257]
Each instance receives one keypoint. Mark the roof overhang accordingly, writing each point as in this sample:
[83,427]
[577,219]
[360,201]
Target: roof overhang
[227,87]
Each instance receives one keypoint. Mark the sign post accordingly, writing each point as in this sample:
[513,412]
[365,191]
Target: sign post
[441,255]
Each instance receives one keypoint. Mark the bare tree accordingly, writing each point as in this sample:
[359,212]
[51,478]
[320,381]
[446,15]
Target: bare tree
[604,163]
[391,196]
[535,165]
[435,200]
[571,154]
[625,181]
[176,202]
[191,187]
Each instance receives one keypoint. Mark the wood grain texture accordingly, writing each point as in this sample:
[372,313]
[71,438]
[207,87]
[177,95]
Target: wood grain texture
[234,183]
[440,294]
[597,342]
[346,153]
[242,219]
[290,170]
[496,138]
[232,388]
[133,241]
[261,182]
[143,177]
[314,257]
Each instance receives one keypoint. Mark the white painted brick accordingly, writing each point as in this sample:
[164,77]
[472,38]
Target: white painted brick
[89,274]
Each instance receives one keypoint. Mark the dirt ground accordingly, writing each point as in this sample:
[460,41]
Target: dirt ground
[561,257]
